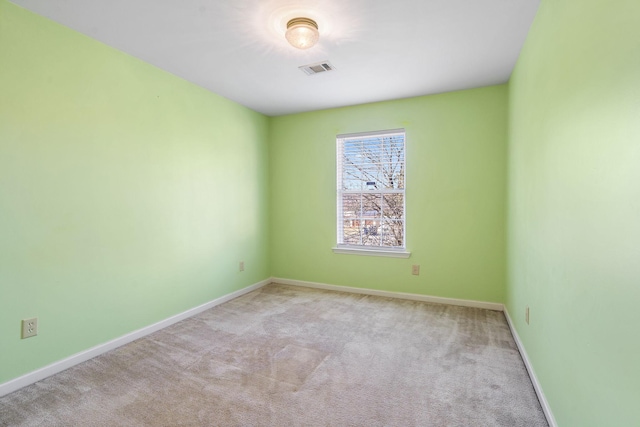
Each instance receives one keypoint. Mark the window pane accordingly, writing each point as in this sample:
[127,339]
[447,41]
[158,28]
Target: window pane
[371,147]
[392,233]
[393,206]
[392,175]
[351,170]
[370,173]
[351,206]
[352,184]
[394,156]
[370,235]
[351,232]
[371,206]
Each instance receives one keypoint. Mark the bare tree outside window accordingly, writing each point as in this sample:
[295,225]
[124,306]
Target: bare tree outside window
[371,185]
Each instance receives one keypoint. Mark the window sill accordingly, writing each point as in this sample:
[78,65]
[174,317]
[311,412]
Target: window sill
[369,252]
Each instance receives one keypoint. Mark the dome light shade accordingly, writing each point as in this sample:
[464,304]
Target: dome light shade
[302,33]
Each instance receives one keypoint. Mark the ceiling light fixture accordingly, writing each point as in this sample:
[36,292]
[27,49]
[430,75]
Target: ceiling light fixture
[302,33]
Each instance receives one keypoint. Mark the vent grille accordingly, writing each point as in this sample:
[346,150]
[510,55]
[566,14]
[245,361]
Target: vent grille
[320,67]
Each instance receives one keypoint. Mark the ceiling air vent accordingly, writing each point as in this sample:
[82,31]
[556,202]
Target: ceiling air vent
[320,67]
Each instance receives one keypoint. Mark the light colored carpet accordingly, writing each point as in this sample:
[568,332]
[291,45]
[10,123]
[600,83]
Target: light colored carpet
[289,356]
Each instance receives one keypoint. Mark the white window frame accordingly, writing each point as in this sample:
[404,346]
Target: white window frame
[386,251]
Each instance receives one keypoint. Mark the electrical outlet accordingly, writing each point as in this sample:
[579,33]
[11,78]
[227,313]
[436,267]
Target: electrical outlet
[241,265]
[526,315]
[415,270]
[29,327]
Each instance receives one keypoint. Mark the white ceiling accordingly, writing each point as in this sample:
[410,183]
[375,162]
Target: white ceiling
[381,49]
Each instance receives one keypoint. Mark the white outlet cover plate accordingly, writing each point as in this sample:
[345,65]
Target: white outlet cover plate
[29,327]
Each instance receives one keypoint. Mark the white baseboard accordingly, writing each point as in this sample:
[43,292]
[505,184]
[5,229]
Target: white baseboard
[534,380]
[400,295]
[61,365]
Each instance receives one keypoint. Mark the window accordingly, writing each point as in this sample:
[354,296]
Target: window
[371,197]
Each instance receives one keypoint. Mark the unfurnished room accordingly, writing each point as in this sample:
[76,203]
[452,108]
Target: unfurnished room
[320,213]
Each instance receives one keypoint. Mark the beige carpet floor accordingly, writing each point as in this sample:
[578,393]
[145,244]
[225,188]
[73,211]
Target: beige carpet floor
[289,356]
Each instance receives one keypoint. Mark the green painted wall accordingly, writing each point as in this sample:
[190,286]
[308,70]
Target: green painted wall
[574,208]
[127,195]
[456,171]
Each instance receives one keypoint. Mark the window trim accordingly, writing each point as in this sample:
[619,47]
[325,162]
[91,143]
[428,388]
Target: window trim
[384,251]
[358,250]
